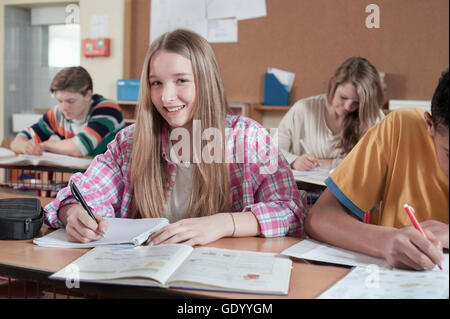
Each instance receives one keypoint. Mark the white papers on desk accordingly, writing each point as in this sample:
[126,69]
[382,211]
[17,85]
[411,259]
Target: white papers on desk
[286,78]
[121,231]
[372,277]
[315,176]
[314,250]
[378,283]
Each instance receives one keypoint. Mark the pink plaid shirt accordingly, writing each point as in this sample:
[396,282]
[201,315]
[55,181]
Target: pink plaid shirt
[260,179]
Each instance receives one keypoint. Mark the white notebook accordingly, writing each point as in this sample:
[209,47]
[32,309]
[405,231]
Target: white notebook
[121,231]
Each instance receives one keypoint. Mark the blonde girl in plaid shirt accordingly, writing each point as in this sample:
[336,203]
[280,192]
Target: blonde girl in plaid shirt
[246,190]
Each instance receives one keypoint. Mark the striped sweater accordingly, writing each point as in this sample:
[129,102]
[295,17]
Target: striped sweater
[90,136]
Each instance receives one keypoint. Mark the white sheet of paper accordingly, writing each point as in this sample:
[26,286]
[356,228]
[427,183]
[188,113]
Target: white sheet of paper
[286,78]
[99,26]
[250,9]
[168,15]
[6,152]
[224,30]
[310,172]
[314,250]
[222,9]
[378,283]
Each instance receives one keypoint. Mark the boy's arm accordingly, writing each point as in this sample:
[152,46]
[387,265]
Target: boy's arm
[66,147]
[329,221]
[22,145]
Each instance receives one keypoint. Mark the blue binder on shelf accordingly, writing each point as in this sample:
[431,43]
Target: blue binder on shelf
[275,93]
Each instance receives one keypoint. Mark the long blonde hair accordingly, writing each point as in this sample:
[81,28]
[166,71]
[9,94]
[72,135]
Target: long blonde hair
[365,77]
[149,171]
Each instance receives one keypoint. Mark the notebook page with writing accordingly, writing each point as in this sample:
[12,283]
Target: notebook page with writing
[122,231]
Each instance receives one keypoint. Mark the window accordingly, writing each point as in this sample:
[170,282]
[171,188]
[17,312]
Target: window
[64,45]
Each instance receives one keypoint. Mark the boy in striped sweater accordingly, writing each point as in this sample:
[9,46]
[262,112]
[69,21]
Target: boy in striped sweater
[81,124]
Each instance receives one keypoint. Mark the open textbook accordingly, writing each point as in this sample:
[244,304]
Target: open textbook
[181,266]
[47,159]
[121,231]
[373,277]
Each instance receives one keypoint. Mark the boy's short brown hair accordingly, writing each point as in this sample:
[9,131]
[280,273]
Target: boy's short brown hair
[74,79]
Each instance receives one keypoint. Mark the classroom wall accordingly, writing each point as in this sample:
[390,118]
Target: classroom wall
[311,38]
[104,71]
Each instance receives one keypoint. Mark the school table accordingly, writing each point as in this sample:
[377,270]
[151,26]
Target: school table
[25,261]
[42,179]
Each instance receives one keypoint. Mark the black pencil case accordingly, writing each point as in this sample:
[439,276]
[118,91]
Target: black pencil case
[20,218]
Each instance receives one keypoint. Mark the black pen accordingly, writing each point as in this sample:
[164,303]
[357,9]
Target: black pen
[76,193]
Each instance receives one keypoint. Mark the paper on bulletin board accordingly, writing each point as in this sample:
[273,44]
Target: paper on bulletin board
[241,10]
[286,78]
[250,9]
[168,15]
[222,30]
[220,9]
[215,20]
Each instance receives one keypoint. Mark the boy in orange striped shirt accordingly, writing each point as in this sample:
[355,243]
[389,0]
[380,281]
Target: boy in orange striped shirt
[81,124]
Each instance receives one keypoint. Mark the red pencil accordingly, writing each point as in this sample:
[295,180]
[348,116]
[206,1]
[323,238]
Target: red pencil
[410,211]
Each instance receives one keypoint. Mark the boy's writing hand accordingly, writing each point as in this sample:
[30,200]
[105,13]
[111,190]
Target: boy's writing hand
[32,148]
[407,248]
[439,230]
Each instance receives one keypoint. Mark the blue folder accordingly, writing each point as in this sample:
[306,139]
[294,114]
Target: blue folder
[275,93]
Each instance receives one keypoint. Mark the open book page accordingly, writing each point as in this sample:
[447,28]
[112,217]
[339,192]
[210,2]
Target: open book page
[120,231]
[6,152]
[379,283]
[102,263]
[315,176]
[49,159]
[236,270]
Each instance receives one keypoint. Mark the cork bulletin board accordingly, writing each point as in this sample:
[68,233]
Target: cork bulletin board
[312,37]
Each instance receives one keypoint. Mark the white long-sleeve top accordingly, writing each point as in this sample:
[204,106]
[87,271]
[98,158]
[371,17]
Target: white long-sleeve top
[305,121]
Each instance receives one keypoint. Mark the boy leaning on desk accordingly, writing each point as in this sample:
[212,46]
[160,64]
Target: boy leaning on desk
[81,124]
[402,160]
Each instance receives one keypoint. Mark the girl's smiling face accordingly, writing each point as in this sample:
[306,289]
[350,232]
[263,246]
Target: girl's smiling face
[172,88]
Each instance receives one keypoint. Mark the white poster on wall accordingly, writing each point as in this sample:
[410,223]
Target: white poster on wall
[215,20]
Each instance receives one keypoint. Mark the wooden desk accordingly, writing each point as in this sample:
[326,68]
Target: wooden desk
[26,261]
[44,179]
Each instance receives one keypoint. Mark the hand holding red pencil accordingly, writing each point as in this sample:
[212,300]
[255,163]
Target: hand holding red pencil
[410,211]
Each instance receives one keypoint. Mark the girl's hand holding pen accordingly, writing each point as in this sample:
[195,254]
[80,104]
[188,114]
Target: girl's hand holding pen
[80,227]
[305,162]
